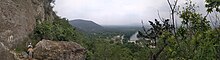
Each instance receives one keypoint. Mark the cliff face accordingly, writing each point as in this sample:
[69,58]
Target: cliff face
[18,18]
[17,21]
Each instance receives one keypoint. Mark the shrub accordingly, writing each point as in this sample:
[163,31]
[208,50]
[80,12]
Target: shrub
[57,29]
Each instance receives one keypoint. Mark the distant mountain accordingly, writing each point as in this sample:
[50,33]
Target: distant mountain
[86,26]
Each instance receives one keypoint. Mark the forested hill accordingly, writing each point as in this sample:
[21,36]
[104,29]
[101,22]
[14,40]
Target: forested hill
[86,26]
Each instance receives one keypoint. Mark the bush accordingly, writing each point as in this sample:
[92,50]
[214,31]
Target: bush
[58,29]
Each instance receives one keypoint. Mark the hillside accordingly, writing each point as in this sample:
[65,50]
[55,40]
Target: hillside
[86,26]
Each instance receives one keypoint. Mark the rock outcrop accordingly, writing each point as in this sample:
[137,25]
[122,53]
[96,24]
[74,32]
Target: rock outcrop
[18,19]
[58,50]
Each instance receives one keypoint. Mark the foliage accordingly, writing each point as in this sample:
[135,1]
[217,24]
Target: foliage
[102,50]
[213,4]
[58,29]
[194,39]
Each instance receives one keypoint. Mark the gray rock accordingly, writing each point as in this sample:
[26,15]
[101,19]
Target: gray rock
[58,50]
[24,54]
[5,53]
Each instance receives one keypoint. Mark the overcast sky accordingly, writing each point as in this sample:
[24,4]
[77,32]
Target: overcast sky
[115,12]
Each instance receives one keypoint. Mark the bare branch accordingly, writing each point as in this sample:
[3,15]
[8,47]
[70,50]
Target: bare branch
[174,7]
[158,13]
[170,4]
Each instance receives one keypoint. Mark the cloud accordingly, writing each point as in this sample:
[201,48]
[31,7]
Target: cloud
[112,12]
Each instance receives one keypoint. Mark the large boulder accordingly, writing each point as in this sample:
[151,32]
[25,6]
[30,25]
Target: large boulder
[58,50]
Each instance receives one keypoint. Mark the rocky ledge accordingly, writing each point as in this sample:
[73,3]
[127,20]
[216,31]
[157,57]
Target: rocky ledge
[58,50]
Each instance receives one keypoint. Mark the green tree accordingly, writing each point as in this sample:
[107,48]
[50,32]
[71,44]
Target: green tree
[213,4]
[194,39]
[57,29]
